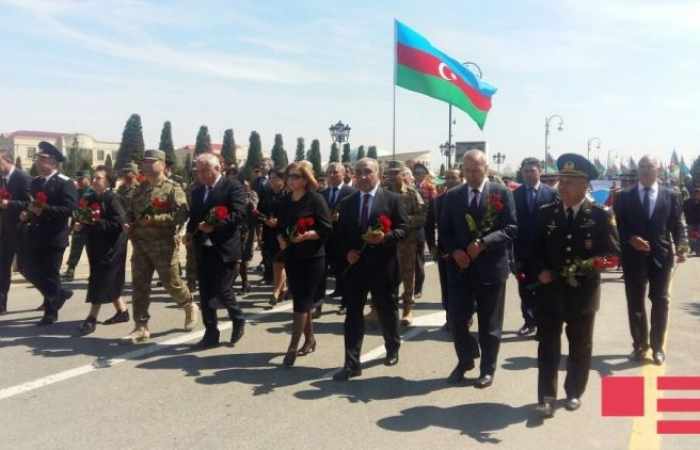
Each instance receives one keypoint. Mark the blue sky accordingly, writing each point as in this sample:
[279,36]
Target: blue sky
[624,71]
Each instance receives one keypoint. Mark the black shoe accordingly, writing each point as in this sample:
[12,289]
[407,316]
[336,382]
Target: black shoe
[572,404]
[88,326]
[237,331]
[527,330]
[207,342]
[68,275]
[346,373]
[484,381]
[47,320]
[66,294]
[457,374]
[317,312]
[335,294]
[659,358]
[341,310]
[3,310]
[638,354]
[546,409]
[273,300]
[118,317]
[392,358]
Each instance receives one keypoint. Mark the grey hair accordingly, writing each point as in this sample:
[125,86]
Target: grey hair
[368,162]
[476,155]
[335,165]
[651,159]
[209,160]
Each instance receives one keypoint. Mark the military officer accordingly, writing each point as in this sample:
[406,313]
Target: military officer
[158,207]
[571,234]
[128,185]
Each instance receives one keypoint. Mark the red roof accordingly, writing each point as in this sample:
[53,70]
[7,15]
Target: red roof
[30,133]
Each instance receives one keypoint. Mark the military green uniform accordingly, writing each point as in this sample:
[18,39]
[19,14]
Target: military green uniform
[154,243]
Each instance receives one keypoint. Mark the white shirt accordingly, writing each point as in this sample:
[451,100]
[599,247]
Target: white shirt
[480,190]
[208,189]
[371,193]
[653,194]
[575,207]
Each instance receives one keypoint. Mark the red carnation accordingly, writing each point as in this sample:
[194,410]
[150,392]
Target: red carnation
[385,223]
[5,194]
[82,203]
[303,224]
[160,204]
[41,198]
[221,213]
[521,276]
[496,202]
[95,206]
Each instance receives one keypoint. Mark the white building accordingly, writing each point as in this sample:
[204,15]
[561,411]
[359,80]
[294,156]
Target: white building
[24,144]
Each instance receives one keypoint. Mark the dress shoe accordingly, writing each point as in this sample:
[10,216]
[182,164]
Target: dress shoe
[372,315]
[546,409]
[308,347]
[659,358]
[47,320]
[237,331]
[638,354]
[527,330]
[335,294]
[572,404]
[346,373]
[484,381]
[191,313]
[88,326]
[392,358]
[68,275]
[457,374]
[118,317]
[207,342]
[66,295]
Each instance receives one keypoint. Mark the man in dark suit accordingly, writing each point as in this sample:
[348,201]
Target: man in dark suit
[569,233]
[217,245]
[336,192]
[44,230]
[374,266]
[14,192]
[652,232]
[529,197]
[477,227]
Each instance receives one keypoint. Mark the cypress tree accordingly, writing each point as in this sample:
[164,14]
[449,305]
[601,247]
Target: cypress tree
[132,146]
[278,153]
[372,152]
[255,156]
[203,143]
[166,143]
[335,153]
[301,150]
[314,157]
[108,163]
[360,152]
[442,169]
[346,153]
[228,148]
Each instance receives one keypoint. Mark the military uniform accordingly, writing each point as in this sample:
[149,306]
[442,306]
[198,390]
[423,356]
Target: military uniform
[126,191]
[567,235]
[153,235]
[78,238]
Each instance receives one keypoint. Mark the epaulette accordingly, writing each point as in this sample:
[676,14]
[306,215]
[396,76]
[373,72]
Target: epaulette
[62,177]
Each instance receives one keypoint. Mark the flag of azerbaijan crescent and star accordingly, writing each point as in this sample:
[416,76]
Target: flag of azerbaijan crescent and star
[422,68]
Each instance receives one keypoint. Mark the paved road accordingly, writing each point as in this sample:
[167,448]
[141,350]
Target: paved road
[58,390]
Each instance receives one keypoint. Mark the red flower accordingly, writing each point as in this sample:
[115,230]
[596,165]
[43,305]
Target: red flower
[303,224]
[605,262]
[159,204]
[384,222]
[221,213]
[520,276]
[5,194]
[41,198]
[95,206]
[694,235]
[496,202]
[82,203]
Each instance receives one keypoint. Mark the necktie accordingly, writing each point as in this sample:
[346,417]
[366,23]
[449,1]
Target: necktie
[364,217]
[647,203]
[569,217]
[334,194]
[206,194]
[474,204]
[3,182]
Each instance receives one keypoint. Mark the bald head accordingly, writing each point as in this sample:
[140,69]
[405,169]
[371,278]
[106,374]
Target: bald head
[648,169]
[367,174]
[475,167]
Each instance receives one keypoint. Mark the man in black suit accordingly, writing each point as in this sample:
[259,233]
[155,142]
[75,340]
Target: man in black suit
[217,245]
[529,197]
[477,227]
[14,192]
[652,232]
[374,266]
[44,230]
[336,192]
[568,233]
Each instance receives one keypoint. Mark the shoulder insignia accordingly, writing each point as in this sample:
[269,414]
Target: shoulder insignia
[62,177]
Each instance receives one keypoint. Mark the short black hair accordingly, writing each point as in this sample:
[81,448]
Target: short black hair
[531,161]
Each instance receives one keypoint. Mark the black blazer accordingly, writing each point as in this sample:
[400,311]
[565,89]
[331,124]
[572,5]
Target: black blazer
[527,221]
[344,192]
[492,265]
[51,228]
[226,236]
[106,238]
[18,187]
[350,233]
[664,229]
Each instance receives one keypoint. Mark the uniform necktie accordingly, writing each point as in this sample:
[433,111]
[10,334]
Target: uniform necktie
[334,195]
[364,217]
[474,204]
[569,217]
[647,203]
[530,199]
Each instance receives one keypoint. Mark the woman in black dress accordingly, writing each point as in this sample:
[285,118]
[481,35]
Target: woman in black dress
[268,210]
[106,251]
[304,226]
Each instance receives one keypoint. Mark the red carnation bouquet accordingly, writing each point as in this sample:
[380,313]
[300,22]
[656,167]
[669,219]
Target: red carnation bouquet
[380,228]
[87,212]
[303,225]
[38,201]
[5,194]
[217,215]
[157,206]
[494,206]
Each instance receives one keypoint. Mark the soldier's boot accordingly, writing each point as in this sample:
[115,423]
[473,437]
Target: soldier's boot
[140,335]
[191,315]
[407,316]
[372,315]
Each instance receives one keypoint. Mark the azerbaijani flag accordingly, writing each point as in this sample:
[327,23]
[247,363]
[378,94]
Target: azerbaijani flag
[422,68]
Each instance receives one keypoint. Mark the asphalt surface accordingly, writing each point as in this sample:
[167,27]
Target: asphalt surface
[62,391]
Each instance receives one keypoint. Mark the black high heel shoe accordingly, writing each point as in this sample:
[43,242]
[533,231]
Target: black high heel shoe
[273,300]
[290,358]
[307,348]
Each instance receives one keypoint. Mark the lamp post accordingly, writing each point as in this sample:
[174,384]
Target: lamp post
[498,158]
[547,121]
[479,73]
[340,132]
[447,149]
[598,143]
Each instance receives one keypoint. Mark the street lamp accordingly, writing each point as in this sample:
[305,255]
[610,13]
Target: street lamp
[498,158]
[591,141]
[479,73]
[340,132]
[447,149]
[547,121]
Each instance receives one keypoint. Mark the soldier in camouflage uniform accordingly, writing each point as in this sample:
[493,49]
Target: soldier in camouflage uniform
[416,212]
[128,185]
[158,207]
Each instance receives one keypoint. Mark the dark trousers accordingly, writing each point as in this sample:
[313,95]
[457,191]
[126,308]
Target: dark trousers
[636,280]
[420,267]
[579,332]
[466,294]
[381,282]
[77,244]
[528,298]
[8,249]
[41,267]
[216,279]
[442,272]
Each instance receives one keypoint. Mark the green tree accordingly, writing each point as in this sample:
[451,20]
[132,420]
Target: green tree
[166,143]
[228,148]
[314,157]
[255,156]
[188,167]
[347,157]
[372,152]
[108,163]
[335,153]
[278,153]
[203,143]
[301,150]
[131,147]
[360,152]
[442,169]
[72,163]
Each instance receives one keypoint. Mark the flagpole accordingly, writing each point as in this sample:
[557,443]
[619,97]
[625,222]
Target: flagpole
[393,131]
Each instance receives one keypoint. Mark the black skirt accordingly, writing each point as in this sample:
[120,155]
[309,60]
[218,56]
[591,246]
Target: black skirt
[106,282]
[304,277]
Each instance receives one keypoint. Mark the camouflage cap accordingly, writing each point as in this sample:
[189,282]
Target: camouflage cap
[130,167]
[395,166]
[154,155]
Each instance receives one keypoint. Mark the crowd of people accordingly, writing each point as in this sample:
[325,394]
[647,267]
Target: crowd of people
[368,228]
